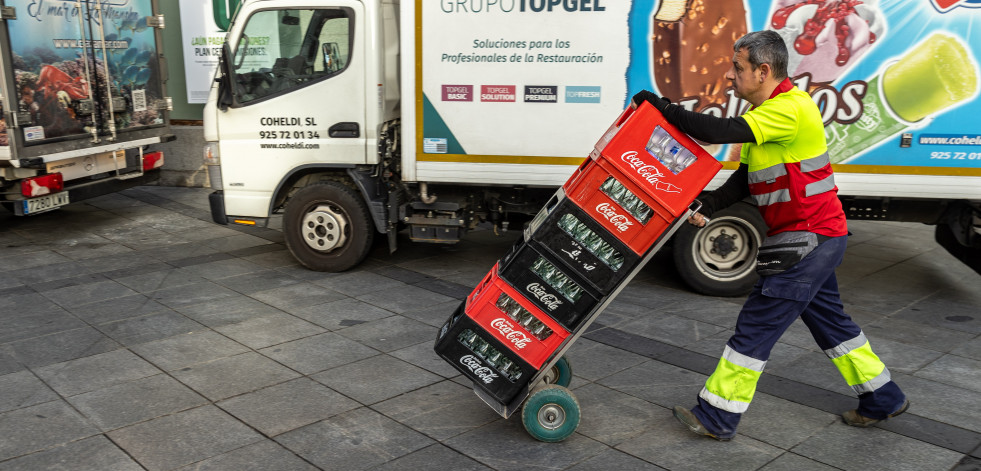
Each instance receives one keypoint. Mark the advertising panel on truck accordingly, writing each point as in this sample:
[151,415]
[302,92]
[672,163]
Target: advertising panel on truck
[897,82]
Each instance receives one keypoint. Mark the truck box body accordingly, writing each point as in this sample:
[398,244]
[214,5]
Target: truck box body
[441,113]
[83,94]
[512,83]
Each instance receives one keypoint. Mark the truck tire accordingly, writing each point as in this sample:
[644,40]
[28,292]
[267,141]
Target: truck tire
[720,258]
[327,227]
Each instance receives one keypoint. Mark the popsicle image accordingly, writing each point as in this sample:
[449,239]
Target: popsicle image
[826,37]
[692,47]
[934,76]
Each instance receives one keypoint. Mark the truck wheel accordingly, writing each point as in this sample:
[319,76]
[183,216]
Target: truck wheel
[720,258]
[327,227]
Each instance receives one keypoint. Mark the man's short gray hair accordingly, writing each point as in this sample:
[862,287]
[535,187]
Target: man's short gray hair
[765,47]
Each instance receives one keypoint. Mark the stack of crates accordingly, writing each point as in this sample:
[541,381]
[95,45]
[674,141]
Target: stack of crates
[590,239]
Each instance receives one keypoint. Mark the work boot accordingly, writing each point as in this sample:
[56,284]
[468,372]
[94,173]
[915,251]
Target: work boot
[855,419]
[686,417]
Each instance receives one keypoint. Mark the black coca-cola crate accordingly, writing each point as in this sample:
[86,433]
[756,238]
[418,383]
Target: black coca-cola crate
[518,269]
[548,232]
[486,374]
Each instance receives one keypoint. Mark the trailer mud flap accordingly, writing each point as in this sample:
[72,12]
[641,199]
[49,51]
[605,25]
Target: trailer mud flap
[959,236]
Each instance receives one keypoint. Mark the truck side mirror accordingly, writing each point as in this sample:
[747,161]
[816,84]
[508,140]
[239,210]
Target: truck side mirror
[226,96]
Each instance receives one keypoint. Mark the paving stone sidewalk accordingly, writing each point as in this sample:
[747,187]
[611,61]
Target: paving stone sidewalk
[136,334]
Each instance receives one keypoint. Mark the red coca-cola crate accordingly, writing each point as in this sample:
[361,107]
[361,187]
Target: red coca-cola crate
[480,357]
[515,321]
[606,194]
[657,157]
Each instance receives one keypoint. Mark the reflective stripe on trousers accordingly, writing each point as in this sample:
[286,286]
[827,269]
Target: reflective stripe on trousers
[860,367]
[808,290]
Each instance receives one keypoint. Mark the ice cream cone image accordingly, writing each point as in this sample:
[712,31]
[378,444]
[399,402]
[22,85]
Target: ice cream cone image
[692,47]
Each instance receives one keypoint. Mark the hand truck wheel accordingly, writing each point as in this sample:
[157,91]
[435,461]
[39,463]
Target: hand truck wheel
[560,374]
[551,413]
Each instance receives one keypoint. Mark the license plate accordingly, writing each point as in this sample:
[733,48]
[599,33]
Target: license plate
[44,203]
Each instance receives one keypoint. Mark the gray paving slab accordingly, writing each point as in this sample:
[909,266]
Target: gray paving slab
[182,296]
[423,356]
[95,372]
[148,328]
[183,438]
[955,371]
[227,310]
[390,333]
[122,308]
[404,298]
[613,417]
[297,296]
[792,462]
[670,445]
[342,313]
[674,330]
[265,455]
[135,401]
[359,439]
[850,448]
[59,347]
[286,406]
[270,329]
[160,279]
[23,389]
[30,315]
[614,459]
[255,281]
[231,376]
[594,360]
[318,352]
[358,283]
[375,379]
[432,456]
[441,411]
[40,427]
[658,383]
[504,445]
[188,349]
[90,454]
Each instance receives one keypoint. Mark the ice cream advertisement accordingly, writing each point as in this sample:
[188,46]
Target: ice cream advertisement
[896,81]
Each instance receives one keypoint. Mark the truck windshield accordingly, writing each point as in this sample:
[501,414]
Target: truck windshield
[281,50]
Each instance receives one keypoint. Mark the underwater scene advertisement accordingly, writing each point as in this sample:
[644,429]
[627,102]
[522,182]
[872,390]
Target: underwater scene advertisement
[70,58]
[897,81]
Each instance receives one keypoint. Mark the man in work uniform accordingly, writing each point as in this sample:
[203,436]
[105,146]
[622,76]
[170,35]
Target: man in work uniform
[785,167]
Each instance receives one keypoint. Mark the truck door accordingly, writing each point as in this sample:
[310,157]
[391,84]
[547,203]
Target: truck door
[297,98]
[85,73]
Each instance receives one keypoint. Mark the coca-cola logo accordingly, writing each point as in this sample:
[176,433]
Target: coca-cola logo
[515,336]
[648,172]
[622,222]
[482,372]
[549,300]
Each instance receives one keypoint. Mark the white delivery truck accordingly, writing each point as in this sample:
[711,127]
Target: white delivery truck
[358,118]
[83,100]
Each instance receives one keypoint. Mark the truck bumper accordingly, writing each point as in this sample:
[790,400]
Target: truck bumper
[217,202]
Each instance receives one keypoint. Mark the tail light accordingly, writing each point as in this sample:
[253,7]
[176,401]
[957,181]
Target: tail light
[42,185]
[152,160]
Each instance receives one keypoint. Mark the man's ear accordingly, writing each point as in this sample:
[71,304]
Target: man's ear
[765,71]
